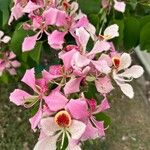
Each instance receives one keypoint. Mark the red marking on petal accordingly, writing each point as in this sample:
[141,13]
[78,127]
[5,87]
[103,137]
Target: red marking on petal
[116,61]
[63,119]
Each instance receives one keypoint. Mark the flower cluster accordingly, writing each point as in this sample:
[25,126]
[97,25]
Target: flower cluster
[65,111]
[7,58]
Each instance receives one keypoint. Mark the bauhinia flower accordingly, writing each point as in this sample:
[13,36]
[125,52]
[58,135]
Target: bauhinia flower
[8,63]
[57,127]
[88,108]
[21,97]
[122,74]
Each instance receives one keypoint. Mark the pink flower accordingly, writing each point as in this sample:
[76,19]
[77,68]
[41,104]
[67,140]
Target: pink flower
[52,16]
[94,128]
[8,63]
[20,97]
[60,124]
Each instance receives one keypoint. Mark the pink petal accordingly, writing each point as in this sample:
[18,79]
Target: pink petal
[55,101]
[119,6]
[103,85]
[79,61]
[102,66]
[105,3]
[12,71]
[37,22]
[103,106]
[55,69]
[47,76]
[83,22]
[15,64]
[72,86]
[12,55]
[78,109]
[90,132]
[106,58]
[50,16]
[54,16]
[67,58]
[30,7]
[61,19]
[34,121]
[100,127]
[99,47]
[18,96]
[16,12]
[82,37]
[29,78]
[56,39]
[29,43]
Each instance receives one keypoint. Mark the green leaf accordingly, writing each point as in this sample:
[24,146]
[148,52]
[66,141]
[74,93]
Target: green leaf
[94,19]
[17,39]
[133,4]
[4,7]
[145,37]
[91,91]
[103,117]
[89,6]
[1,19]
[144,20]
[131,32]
[5,78]
[36,52]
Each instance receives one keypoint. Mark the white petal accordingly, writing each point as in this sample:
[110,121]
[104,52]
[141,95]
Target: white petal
[74,7]
[49,126]
[125,61]
[77,129]
[127,90]
[1,34]
[111,31]
[91,29]
[133,72]
[6,39]
[48,143]
[83,37]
